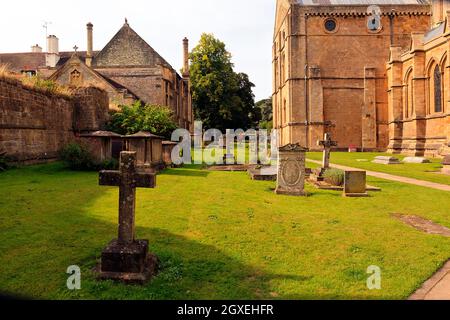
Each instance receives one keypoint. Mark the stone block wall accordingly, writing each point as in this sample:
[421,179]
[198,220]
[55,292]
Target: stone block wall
[91,108]
[35,125]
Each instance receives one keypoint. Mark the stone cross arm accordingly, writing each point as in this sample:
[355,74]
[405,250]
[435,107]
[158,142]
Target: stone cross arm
[127,178]
[138,179]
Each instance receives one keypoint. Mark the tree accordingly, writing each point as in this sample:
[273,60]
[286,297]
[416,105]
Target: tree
[137,117]
[222,99]
[265,108]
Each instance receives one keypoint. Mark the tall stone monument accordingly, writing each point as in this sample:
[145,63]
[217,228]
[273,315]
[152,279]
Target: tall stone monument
[125,258]
[291,170]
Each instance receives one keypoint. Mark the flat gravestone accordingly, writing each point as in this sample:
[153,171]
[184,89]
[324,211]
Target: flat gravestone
[446,164]
[291,170]
[125,258]
[355,184]
[264,173]
[416,160]
[386,160]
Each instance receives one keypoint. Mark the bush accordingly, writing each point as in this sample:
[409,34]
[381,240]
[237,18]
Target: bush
[334,177]
[77,157]
[112,164]
[137,117]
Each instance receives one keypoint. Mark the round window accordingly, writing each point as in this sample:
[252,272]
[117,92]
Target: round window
[330,25]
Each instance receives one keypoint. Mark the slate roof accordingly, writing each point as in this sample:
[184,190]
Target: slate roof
[435,32]
[23,61]
[126,39]
[36,60]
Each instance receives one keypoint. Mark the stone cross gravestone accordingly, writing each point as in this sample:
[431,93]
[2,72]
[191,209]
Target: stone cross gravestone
[327,144]
[125,258]
[355,184]
[291,170]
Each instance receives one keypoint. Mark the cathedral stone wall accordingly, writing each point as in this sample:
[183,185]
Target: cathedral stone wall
[35,125]
[419,91]
[335,80]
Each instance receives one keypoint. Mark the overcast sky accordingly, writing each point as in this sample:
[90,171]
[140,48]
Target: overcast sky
[246,27]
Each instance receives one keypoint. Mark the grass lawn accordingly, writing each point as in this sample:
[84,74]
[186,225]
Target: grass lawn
[218,235]
[422,171]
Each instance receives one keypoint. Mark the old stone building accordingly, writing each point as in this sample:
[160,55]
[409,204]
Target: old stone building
[419,89]
[128,68]
[329,68]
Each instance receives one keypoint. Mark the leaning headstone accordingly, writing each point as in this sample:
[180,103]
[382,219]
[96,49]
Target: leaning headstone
[125,258]
[355,184]
[416,160]
[446,165]
[386,160]
[291,170]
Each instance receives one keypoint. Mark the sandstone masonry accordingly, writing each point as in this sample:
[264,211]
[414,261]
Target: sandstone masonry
[35,125]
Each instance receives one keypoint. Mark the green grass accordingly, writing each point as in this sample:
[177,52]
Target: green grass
[218,235]
[423,171]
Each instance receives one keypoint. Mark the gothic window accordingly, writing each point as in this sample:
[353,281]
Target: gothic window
[408,95]
[75,78]
[437,89]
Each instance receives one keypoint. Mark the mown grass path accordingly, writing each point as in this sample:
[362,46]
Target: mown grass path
[391,177]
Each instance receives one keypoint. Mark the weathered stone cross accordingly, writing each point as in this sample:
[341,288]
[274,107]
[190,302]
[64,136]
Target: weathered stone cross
[127,179]
[327,143]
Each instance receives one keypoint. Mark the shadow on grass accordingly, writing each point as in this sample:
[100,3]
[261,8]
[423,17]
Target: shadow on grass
[72,235]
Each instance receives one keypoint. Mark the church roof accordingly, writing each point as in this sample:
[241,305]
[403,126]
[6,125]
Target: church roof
[359,2]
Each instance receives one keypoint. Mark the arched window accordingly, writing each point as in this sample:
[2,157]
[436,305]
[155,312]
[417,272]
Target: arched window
[437,89]
[408,95]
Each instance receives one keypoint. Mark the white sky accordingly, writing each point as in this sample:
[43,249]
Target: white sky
[246,27]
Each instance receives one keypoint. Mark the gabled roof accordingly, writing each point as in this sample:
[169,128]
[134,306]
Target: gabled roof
[127,48]
[76,60]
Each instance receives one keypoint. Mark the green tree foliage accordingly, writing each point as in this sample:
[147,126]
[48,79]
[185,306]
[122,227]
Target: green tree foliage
[221,98]
[266,112]
[138,117]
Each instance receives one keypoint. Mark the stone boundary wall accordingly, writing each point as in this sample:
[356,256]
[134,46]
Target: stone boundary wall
[35,125]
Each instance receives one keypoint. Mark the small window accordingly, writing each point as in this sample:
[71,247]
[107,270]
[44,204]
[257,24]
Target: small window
[330,25]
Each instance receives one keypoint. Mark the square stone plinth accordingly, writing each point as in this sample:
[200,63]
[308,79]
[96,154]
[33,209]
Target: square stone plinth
[130,263]
[355,184]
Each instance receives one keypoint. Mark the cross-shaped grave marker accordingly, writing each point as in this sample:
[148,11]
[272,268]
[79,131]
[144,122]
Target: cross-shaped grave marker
[126,258]
[327,143]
